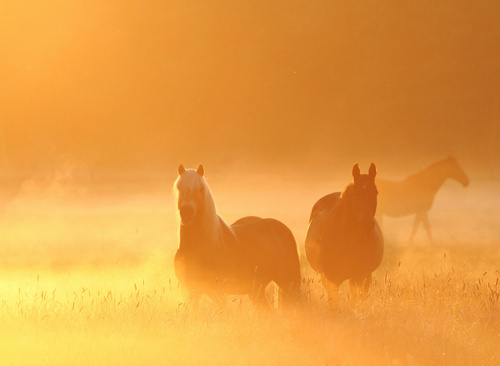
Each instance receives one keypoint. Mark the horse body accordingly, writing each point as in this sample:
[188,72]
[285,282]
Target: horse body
[415,194]
[243,258]
[344,241]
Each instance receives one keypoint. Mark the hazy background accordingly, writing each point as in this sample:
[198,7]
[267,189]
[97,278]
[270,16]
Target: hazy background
[100,100]
[131,89]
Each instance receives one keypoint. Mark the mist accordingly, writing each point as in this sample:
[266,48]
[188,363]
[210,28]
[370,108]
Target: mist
[147,86]
[100,101]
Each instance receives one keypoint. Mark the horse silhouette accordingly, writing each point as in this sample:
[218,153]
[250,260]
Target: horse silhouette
[344,241]
[214,258]
[415,194]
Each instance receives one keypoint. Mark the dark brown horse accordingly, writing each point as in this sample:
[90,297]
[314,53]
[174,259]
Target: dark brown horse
[215,259]
[344,240]
[415,194]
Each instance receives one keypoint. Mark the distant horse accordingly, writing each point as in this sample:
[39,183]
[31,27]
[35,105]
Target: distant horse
[344,240]
[415,194]
[214,258]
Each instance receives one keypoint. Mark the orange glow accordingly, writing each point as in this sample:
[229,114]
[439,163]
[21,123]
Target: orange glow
[133,85]
[100,101]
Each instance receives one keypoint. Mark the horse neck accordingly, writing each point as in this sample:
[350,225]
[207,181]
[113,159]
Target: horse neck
[434,176]
[201,237]
[206,233]
[346,207]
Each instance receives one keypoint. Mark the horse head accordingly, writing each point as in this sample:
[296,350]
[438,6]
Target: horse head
[363,197]
[456,172]
[191,194]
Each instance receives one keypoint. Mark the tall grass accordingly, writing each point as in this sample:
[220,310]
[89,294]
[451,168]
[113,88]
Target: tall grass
[427,305]
[93,284]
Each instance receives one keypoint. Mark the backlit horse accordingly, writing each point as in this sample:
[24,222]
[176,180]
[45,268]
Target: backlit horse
[344,240]
[214,258]
[415,194]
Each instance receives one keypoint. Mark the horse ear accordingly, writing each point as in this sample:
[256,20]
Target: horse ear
[200,170]
[373,171]
[356,172]
[181,169]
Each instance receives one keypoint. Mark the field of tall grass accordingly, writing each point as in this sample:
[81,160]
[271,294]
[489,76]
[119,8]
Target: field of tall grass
[91,282]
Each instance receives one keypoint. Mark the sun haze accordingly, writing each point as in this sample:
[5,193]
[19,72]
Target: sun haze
[100,101]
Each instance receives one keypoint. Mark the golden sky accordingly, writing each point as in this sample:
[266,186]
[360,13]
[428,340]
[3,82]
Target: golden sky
[121,84]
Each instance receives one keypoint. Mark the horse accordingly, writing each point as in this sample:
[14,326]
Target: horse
[415,194]
[217,259]
[343,240]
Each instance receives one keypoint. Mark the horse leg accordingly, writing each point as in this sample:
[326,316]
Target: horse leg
[427,226]
[418,218]
[219,299]
[332,292]
[289,293]
[359,288]
[192,299]
[258,292]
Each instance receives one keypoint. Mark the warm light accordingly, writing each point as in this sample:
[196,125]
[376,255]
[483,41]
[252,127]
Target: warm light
[100,101]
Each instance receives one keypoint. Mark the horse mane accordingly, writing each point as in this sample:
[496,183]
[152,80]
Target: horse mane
[431,169]
[346,198]
[211,223]
[440,163]
[347,192]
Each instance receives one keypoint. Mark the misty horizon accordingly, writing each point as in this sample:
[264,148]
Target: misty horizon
[150,86]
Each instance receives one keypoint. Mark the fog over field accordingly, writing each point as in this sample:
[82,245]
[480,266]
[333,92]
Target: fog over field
[101,101]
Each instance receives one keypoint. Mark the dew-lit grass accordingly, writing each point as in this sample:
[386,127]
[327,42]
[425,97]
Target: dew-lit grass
[91,283]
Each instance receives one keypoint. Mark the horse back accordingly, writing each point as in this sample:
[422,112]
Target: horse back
[254,232]
[269,245]
[406,197]
[325,203]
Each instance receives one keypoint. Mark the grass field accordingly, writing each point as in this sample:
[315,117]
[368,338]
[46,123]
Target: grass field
[90,281]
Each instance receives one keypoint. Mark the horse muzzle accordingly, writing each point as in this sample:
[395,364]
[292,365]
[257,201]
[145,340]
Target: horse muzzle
[187,214]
